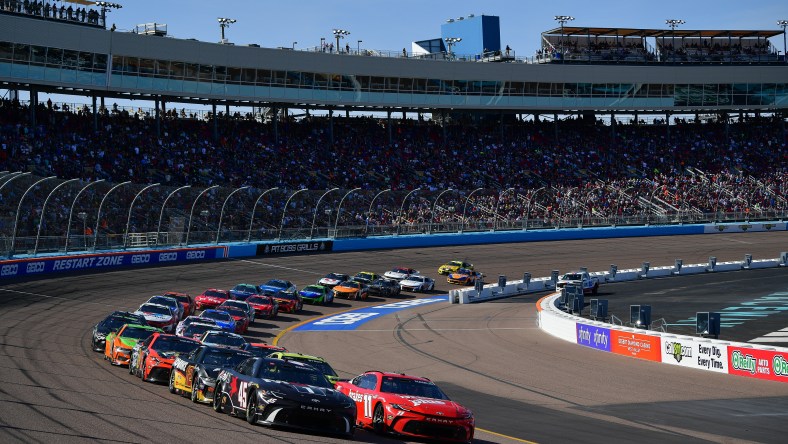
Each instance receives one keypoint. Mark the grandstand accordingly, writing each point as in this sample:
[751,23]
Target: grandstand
[106,177]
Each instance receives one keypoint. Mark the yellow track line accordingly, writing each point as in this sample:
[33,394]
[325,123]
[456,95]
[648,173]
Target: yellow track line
[505,436]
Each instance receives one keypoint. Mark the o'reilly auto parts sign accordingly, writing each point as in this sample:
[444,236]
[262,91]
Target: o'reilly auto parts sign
[294,248]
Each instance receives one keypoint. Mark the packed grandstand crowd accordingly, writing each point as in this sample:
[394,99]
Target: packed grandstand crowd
[572,169]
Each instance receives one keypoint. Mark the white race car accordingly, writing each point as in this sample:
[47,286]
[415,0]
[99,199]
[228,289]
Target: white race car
[190,320]
[417,283]
[159,316]
[400,273]
[333,279]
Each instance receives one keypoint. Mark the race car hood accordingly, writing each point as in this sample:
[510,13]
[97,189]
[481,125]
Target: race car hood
[128,342]
[308,392]
[395,275]
[458,276]
[271,288]
[155,317]
[241,294]
[339,289]
[329,281]
[310,294]
[410,283]
[430,406]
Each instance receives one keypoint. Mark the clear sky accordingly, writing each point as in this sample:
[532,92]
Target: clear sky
[394,24]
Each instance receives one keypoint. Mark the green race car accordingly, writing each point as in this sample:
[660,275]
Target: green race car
[319,363]
[119,344]
[317,294]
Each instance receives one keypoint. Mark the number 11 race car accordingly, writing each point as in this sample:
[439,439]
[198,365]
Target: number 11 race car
[407,406]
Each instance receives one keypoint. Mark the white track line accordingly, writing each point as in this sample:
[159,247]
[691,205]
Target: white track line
[279,266]
[55,297]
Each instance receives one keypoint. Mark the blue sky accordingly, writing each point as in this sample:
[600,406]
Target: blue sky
[393,25]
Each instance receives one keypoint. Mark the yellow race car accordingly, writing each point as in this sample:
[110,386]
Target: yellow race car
[453,266]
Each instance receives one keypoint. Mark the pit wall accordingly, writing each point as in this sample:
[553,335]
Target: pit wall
[734,358]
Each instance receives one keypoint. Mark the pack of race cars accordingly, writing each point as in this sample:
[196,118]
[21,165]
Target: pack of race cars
[206,358]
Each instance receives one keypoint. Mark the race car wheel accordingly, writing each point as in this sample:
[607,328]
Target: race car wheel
[378,421]
[218,397]
[171,386]
[251,409]
[193,396]
[595,290]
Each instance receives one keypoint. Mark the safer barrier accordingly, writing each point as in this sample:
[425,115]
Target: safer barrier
[741,359]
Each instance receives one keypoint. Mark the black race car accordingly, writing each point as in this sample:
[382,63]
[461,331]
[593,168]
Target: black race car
[284,393]
[111,323]
[195,374]
[384,287]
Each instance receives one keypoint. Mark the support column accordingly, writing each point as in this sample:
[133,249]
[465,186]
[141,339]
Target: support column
[443,126]
[388,125]
[555,126]
[102,103]
[95,115]
[275,112]
[33,108]
[347,113]
[226,110]
[215,122]
[158,118]
[331,126]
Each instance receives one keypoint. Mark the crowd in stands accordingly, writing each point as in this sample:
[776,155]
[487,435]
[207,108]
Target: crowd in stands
[599,49]
[51,11]
[574,169]
[718,50]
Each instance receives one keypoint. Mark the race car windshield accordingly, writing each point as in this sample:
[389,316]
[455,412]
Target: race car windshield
[222,358]
[463,271]
[313,289]
[412,387]
[418,279]
[163,301]
[277,284]
[259,300]
[218,315]
[116,322]
[231,341]
[295,375]
[246,288]
[180,298]
[321,366]
[155,309]
[197,329]
[401,270]
[169,344]
[350,284]
[136,333]
[235,311]
[336,276]
[216,294]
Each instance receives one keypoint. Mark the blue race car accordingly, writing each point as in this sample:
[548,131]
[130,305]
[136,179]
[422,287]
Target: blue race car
[223,319]
[242,292]
[279,285]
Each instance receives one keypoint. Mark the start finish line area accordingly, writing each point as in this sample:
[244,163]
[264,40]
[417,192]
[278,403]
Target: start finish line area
[353,319]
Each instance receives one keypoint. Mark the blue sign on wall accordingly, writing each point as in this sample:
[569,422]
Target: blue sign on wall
[594,337]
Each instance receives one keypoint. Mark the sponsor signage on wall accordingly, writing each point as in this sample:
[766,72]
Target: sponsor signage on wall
[636,345]
[688,352]
[594,337]
[29,267]
[761,364]
[294,248]
[743,227]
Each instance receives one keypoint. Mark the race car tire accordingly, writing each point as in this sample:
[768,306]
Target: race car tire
[218,397]
[171,385]
[131,369]
[193,394]
[378,420]
[251,408]
[596,289]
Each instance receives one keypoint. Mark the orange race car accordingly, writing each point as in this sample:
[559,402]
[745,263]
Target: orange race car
[119,344]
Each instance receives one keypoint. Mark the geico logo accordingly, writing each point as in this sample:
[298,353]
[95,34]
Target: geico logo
[167,257]
[195,255]
[140,259]
[346,318]
[35,267]
[9,270]
[409,304]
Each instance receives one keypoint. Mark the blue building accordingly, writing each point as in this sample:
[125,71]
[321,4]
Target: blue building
[479,33]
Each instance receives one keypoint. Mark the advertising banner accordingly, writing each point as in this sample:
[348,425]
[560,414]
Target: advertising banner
[636,345]
[594,337]
[761,364]
[692,353]
[743,227]
[288,248]
[28,267]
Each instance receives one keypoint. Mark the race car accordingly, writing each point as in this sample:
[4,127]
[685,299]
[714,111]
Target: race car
[240,317]
[351,290]
[365,277]
[279,285]
[189,321]
[464,276]
[400,273]
[159,316]
[171,302]
[452,266]
[261,349]
[152,359]
[211,298]
[195,373]
[417,283]
[384,287]
[315,361]
[332,279]
[242,305]
[119,344]
[288,302]
[221,338]
[264,306]
[195,330]
[222,318]
[112,323]
[186,301]
[590,284]
[242,292]
[316,294]
[290,394]
[408,406]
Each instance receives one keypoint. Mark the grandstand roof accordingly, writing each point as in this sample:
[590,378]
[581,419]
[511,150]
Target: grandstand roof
[635,32]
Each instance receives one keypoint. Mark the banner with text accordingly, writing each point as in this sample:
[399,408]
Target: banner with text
[30,267]
[761,364]
[693,353]
[636,345]
[294,248]
[594,337]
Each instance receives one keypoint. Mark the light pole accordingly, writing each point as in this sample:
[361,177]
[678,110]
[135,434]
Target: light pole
[84,216]
[783,24]
[497,204]
[451,41]
[322,44]
[369,212]
[294,43]
[673,23]
[465,207]
[224,22]
[340,34]
[105,7]
[562,19]
[435,204]
[402,207]
[358,46]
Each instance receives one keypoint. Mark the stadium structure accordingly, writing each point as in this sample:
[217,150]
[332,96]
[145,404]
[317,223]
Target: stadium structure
[578,71]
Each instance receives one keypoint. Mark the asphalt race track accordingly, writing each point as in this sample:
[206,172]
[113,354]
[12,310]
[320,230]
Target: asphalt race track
[522,384]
